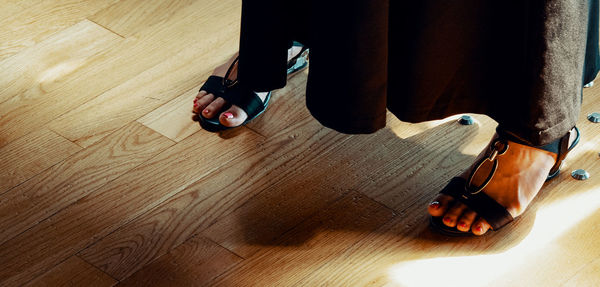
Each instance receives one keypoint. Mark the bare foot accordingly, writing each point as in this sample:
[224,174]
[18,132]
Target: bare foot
[521,173]
[210,106]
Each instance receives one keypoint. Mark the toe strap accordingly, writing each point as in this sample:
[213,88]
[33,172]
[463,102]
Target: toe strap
[214,85]
[494,213]
[244,98]
[235,95]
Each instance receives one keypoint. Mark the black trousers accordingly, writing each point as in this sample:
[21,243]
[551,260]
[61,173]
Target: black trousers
[521,62]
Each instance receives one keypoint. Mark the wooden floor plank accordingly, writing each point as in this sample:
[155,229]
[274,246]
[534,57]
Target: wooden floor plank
[310,244]
[407,245]
[32,82]
[115,65]
[39,69]
[193,263]
[145,92]
[31,154]
[77,176]
[127,17]
[278,192]
[286,108]
[588,276]
[31,22]
[206,201]
[175,118]
[73,272]
[116,203]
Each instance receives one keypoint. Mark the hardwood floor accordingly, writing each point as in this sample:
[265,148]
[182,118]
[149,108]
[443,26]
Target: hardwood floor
[106,180]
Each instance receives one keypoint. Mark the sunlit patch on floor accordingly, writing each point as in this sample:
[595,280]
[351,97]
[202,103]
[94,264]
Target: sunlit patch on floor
[59,71]
[550,223]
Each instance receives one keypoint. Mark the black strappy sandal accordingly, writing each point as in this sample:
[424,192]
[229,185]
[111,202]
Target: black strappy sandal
[472,196]
[234,94]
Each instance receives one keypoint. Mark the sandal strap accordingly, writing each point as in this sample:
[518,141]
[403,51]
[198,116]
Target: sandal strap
[560,146]
[214,85]
[247,100]
[494,213]
[298,59]
[237,95]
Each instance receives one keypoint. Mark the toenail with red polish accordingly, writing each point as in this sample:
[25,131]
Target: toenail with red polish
[206,111]
[447,220]
[228,115]
[195,100]
[195,105]
[478,229]
[462,224]
[435,205]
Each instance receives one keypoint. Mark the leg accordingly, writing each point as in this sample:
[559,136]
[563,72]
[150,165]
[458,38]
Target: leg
[558,61]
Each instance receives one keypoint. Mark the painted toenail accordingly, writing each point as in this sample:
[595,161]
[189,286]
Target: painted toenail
[206,111]
[195,100]
[462,224]
[228,115]
[447,220]
[195,105]
[478,229]
[435,205]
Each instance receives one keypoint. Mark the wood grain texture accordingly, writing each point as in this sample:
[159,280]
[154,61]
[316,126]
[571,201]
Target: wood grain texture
[280,202]
[173,119]
[407,246]
[33,21]
[73,272]
[206,201]
[311,244]
[116,64]
[76,177]
[588,276]
[30,155]
[193,263]
[151,89]
[34,84]
[287,107]
[127,17]
[116,203]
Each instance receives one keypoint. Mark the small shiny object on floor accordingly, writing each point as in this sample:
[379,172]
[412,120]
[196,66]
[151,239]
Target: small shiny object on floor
[466,120]
[589,85]
[580,174]
[594,117]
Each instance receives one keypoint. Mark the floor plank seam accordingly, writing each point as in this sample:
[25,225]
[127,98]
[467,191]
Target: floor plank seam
[157,205]
[96,267]
[582,267]
[394,211]
[31,177]
[33,278]
[273,184]
[79,145]
[87,195]
[216,243]
[358,242]
[105,28]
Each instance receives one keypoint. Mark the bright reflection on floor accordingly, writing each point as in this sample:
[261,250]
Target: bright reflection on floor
[406,130]
[481,270]
[60,70]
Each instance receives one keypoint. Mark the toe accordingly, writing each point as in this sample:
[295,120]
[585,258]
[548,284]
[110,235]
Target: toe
[451,216]
[201,94]
[466,220]
[233,117]
[213,108]
[480,226]
[439,205]
[202,100]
